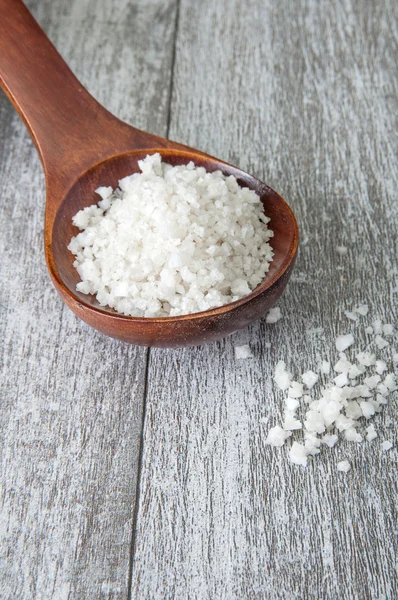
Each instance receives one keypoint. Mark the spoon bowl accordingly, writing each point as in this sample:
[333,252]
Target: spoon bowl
[82,147]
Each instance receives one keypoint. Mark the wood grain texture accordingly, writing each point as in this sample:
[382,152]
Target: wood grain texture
[304,96]
[71,400]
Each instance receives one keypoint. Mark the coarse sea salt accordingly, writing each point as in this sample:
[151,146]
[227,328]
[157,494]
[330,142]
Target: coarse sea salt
[243,352]
[343,466]
[344,341]
[171,240]
[338,407]
[274,315]
[387,445]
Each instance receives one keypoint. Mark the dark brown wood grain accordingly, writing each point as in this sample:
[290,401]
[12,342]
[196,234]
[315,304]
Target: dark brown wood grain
[83,146]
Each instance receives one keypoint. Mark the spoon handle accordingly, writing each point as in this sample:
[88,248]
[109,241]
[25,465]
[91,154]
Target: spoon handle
[70,128]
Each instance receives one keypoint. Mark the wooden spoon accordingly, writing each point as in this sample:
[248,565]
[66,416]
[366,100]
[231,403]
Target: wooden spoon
[83,146]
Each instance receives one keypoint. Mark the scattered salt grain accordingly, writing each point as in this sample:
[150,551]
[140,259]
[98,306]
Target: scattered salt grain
[282,377]
[291,404]
[290,422]
[325,367]
[372,381]
[295,390]
[388,329]
[351,435]
[277,436]
[353,410]
[371,433]
[330,440]
[387,445]
[343,466]
[355,371]
[377,326]
[342,250]
[243,352]
[366,358]
[298,454]
[369,330]
[362,309]
[390,382]
[341,380]
[350,315]
[342,366]
[341,406]
[367,408]
[171,241]
[274,315]
[344,341]
[381,342]
[309,378]
[381,366]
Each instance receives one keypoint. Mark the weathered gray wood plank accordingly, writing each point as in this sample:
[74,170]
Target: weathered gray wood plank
[71,400]
[303,95]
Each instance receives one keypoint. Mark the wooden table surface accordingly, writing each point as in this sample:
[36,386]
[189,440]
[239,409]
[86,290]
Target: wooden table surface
[143,474]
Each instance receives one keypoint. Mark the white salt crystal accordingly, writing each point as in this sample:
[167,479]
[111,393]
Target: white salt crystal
[383,389]
[343,466]
[390,382]
[291,404]
[325,367]
[314,422]
[369,330]
[282,378]
[355,371]
[350,315]
[362,309]
[290,422]
[366,358]
[277,436]
[331,411]
[341,380]
[388,329]
[243,352]
[342,250]
[371,433]
[387,445]
[342,366]
[351,435]
[381,366]
[344,341]
[353,410]
[309,378]
[381,342]
[104,192]
[295,390]
[368,410]
[298,454]
[330,440]
[343,423]
[274,315]
[395,359]
[362,391]
[312,443]
[240,288]
[372,381]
